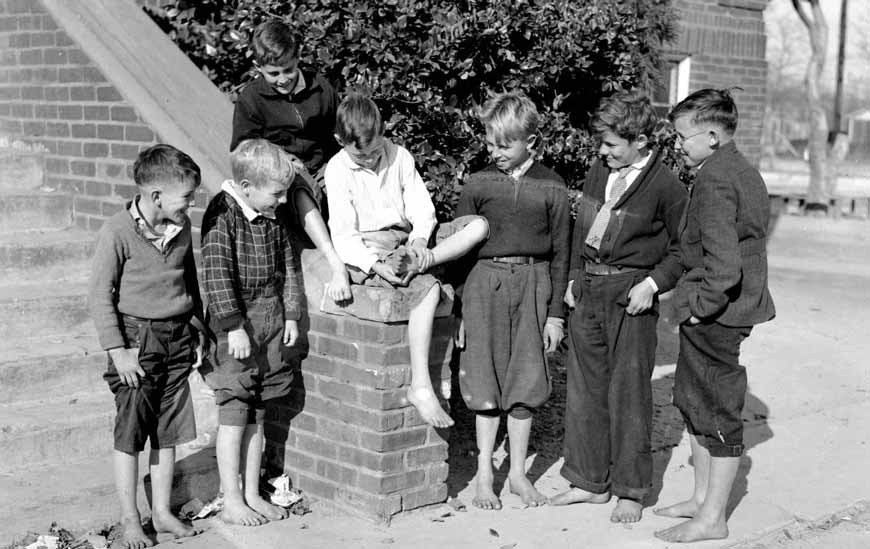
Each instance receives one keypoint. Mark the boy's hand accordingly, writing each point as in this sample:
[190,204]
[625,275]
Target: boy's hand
[338,289]
[291,332]
[569,295]
[388,273]
[553,334]
[640,298]
[126,363]
[238,344]
[459,332]
[421,252]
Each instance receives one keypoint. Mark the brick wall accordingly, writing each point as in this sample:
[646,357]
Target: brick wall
[726,42]
[51,93]
[347,434]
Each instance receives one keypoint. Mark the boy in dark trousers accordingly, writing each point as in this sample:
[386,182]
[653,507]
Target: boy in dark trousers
[721,296]
[295,110]
[144,299]
[252,282]
[624,253]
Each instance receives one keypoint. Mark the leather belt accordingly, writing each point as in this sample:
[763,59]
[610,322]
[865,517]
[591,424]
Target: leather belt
[518,259]
[599,269]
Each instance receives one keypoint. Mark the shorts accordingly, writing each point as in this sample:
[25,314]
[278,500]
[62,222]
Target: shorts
[390,244]
[505,309]
[710,386]
[242,387]
[160,409]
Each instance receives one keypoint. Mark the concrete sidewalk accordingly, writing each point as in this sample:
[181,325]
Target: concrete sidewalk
[808,427]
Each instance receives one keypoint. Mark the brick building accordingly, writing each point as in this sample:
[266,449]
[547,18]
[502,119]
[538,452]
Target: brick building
[721,43]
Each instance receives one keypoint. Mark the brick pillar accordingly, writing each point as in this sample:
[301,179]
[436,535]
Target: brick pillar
[347,434]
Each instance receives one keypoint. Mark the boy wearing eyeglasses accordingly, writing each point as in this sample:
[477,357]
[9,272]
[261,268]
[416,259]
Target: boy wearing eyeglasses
[721,296]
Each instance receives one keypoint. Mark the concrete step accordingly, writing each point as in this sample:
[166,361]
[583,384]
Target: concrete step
[45,367]
[34,210]
[80,495]
[41,248]
[58,430]
[40,310]
[58,272]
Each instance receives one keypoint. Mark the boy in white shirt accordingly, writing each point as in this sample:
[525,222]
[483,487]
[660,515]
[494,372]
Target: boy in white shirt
[382,222]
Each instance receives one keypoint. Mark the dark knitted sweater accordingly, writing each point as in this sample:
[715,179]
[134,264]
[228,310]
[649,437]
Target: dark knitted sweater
[529,217]
[644,225]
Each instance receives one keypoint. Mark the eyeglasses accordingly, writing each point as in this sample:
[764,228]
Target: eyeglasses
[682,139]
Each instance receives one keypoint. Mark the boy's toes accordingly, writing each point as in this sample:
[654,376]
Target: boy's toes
[429,407]
[627,511]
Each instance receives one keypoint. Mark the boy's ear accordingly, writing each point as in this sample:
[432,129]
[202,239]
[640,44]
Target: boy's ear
[245,185]
[641,141]
[155,194]
[714,138]
[338,139]
[531,141]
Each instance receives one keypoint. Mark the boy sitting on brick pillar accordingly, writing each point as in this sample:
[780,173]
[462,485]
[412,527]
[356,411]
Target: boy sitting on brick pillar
[383,221]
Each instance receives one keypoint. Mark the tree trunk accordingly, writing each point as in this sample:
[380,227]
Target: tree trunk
[817,147]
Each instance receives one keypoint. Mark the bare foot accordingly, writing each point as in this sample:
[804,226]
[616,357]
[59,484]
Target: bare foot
[133,536]
[169,523]
[268,510]
[484,497]
[627,510]
[684,509]
[239,513]
[522,486]
[427,404]
[578,495]
[694,530]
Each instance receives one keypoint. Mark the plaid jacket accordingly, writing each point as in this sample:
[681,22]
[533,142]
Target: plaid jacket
[242,259]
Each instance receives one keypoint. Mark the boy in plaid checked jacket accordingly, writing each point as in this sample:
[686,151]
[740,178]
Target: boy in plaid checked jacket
[252,282]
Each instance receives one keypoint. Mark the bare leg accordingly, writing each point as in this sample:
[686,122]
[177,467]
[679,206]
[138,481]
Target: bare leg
[126,480]
[689,508]
[460,243]
[252,450]
[315,228]
[486,428]
[518,437]
[162,465]
[709,522]
[421,393]
[230,441]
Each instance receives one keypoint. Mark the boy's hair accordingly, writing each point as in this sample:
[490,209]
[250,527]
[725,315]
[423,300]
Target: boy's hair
[510,116]
[358,120]
[260,161]
[708,106]
[627,114]
[275,43]
[165,163]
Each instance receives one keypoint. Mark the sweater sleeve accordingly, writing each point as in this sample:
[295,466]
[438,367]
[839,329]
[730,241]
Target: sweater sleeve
[108,262]
[217,268]
[247,122]
[560,216]
[294,291]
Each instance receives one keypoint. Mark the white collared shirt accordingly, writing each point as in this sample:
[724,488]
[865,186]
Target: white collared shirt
[160,241]
[361,200]
[250,213]
[521,170]
[629,178]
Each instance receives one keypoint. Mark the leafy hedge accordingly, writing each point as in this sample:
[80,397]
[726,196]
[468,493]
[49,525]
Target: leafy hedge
[429,63]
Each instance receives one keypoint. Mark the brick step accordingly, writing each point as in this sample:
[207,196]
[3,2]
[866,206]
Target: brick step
[41,248]
[45,367]
[80,494]
[56,430]
[40,310]
[34,210]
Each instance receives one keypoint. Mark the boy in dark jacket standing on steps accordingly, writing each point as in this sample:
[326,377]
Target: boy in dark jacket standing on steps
[625,252]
